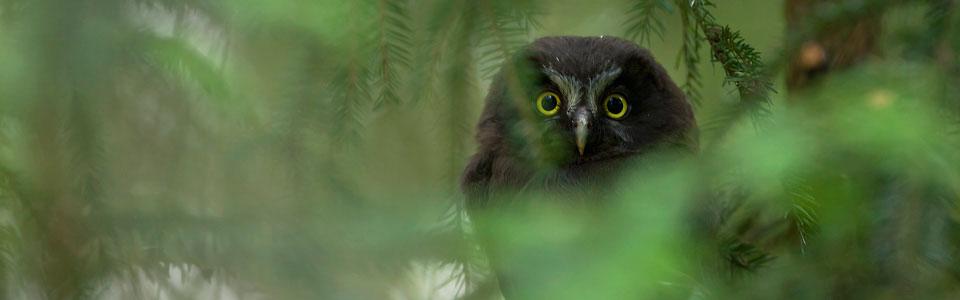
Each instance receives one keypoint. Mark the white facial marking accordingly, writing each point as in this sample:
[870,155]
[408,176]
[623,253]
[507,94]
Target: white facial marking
[572,89]
[600,83]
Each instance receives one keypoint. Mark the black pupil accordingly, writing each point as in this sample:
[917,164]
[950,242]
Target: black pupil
[549,102]
[614,105]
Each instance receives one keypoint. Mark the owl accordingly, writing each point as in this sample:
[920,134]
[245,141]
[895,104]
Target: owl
[568,113]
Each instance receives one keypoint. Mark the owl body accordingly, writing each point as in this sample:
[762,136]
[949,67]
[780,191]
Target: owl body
[562,119]
[522,148]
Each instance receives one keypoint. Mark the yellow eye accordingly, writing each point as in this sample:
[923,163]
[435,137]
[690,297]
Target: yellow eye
[616,106]
[548,104]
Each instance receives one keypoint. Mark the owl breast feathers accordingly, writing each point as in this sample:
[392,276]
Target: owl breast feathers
[567,110]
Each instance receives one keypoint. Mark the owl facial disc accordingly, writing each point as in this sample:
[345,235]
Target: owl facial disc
[581,100]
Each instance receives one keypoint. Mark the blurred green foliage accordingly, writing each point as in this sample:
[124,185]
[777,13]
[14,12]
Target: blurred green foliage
[300,150]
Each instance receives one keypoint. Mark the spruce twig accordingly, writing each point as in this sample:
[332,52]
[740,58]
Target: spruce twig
[644,20]
[394,47]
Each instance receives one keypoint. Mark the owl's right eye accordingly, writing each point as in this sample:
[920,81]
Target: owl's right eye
[548,104]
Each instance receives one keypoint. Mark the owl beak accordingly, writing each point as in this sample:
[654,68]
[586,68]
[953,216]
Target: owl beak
[581,124]
[581,132]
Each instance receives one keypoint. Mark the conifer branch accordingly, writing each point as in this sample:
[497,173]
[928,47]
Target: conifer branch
[740,61]
[175,58]
[743,256]
[690,53]
[741,64]
[349,100]
[506,28]
[394,43]
[448,73]
[352,83]
[643,20]
[803,207]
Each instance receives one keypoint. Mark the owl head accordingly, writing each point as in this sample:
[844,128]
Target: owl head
[576,101]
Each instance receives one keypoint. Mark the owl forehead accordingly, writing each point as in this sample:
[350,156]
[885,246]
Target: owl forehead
[579,88]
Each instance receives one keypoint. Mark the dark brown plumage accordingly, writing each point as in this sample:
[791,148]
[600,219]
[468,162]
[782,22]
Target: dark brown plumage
[569,112]
[516,144]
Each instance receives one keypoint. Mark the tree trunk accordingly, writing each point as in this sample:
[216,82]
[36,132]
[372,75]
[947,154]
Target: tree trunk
[820,45]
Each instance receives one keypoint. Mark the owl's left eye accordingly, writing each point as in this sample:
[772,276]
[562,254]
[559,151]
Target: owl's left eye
[616,106]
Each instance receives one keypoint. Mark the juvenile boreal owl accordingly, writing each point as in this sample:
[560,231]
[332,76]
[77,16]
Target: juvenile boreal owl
[566,113]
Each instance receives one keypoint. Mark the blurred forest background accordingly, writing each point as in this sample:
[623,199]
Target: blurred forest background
[176,149]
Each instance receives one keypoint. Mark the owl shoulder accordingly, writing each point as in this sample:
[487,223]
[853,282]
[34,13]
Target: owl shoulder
[490,171]
[477,172]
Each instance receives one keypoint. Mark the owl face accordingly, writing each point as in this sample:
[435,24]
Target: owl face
[582,100]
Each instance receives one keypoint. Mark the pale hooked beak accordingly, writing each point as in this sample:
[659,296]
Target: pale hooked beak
[581,124]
